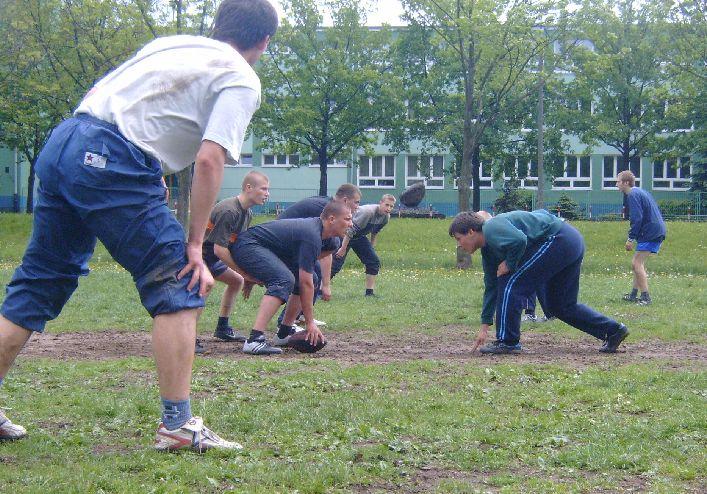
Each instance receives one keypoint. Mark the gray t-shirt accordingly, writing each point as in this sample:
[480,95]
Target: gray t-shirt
[227,220]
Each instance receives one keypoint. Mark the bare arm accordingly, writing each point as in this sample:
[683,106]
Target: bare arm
[225,255]
[208,174]
[326,262]
[306,295]
[344,245]
[374,237]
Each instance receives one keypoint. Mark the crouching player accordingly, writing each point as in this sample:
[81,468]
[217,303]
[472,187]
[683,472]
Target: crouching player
[520,252]
[281,255]
[370,218]
[228,219]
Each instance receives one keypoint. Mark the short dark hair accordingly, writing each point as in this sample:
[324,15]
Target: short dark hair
[347,191]
[244,23]
[466,221]
[334,208]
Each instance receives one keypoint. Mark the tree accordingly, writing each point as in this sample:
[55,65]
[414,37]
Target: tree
[619,89]
[685,33]
[467,66]
[327,91]
[54,52]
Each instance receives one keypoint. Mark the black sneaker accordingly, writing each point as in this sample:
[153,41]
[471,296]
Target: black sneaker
[644,301]
[229,334]
[500,348]
[199,347]
[629,298]
[612,342]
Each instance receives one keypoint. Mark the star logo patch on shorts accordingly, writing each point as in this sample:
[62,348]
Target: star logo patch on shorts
[94,160]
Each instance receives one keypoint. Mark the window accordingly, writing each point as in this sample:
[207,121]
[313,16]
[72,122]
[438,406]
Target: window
[527,172]
[281,160]
[246,160]
[485,178]
[672,174]
[577,174]
[615,164]
[426,169]
[314,162]
[376,171]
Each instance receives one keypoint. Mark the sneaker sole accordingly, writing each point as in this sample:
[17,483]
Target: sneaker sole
[231,340]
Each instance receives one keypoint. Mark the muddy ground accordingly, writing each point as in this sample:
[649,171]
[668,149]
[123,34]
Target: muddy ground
[364,347]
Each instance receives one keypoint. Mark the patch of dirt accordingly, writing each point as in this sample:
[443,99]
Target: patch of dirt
[451,343]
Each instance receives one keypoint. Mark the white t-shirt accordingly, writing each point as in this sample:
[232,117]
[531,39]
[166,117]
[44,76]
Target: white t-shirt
[176,92]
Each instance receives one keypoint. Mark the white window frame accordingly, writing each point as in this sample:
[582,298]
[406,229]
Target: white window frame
[240,163]
[280,164]
[605,180]
[364,181]
[334,164]
[574,179]
[672,181]
[420,175]
[486,180]
[525,182]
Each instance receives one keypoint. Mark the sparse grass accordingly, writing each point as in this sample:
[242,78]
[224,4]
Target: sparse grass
[311,425]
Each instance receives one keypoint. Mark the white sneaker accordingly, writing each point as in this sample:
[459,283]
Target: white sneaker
[193,435]
[10,431]
[277,341]
[260,346]
[529,318]
[300,320]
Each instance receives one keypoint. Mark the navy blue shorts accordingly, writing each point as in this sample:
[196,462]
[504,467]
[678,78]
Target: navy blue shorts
[280,278]
[96,184]
[215,265]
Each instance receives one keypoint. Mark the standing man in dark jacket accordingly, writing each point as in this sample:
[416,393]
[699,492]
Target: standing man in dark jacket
[520,252]
[647,232]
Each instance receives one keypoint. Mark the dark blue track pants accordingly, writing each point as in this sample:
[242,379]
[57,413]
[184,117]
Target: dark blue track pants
[555,264]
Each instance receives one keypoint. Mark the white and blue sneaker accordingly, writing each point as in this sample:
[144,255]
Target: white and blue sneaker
[260,346]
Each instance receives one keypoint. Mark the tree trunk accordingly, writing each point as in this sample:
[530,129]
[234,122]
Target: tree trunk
[184,180]
[323,162]
[30,186]
[540,198]
[463,259]
[476,174]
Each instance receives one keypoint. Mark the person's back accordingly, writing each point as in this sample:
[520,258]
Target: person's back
[647,223]
[163,98]
[288,238]
[310,207]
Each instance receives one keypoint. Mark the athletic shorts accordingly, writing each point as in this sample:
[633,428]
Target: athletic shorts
[652,247]
[214,263]
[94,183]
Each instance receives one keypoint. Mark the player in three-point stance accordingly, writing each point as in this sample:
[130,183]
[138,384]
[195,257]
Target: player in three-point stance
[521,251]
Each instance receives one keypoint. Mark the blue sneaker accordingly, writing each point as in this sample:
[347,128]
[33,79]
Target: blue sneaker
[500,348]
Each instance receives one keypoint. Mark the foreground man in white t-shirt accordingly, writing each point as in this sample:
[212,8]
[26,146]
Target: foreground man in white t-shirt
[179,99]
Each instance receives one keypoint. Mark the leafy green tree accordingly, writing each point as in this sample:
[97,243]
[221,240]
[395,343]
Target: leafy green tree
[685,38]
[619,88]
[54,52]
[467,66]
[327,91]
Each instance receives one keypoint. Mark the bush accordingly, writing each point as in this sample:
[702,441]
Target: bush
[568,208]
[675,207]
[512,200]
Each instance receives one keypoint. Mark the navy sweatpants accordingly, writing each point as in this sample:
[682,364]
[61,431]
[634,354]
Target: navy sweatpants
[365,251]
[556,264]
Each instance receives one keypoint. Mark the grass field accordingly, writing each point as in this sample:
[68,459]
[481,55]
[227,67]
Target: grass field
[324,424]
